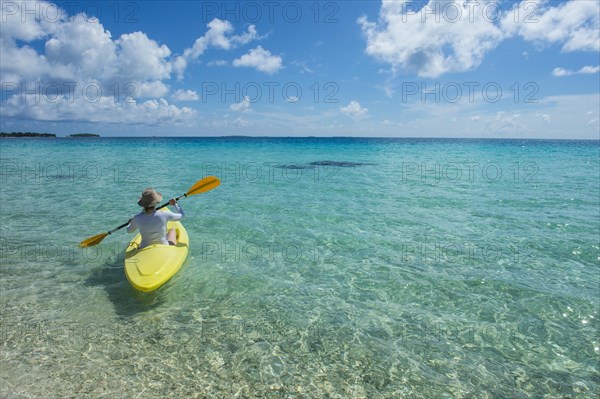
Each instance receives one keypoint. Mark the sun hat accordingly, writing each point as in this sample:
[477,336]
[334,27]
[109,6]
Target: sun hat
[149,198]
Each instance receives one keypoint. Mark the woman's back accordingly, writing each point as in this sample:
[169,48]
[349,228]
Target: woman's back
[153,227]
[152,223]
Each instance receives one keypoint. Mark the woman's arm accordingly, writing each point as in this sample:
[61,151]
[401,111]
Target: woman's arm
[132,225]
[180,214]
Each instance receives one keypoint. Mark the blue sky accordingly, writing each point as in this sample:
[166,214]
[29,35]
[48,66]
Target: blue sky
[331,68]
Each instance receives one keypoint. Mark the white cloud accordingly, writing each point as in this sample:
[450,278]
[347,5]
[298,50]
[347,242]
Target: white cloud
[570,117]
[142,58]
[555,117]
[241,106]
[455,36]
[302,66]
[179,65]
[24,63]
[215,36]
[94,109]
[216,63]
[354,110]
[218,35]
[80,72]
[241,122]
[185,95]
[78,49]
[431,47]
[15,26]
[585,70]
[588,69]
[561,72]
[575,24]
[225,123]
[545,117]
[246,37]
[87,49]
[261,60]
[152,89]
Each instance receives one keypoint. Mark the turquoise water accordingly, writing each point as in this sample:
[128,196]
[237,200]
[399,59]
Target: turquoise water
[397,269]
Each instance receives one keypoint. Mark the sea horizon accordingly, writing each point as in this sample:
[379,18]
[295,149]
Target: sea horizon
[328,137]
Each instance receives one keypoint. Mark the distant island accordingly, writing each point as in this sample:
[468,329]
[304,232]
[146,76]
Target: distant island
[26,134]
[32,134]
[83,135]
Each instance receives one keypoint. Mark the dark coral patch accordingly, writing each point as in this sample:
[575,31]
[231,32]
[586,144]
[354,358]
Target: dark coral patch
[341,164]
[293,166]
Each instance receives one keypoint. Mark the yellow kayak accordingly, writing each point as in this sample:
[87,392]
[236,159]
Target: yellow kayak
[149,268]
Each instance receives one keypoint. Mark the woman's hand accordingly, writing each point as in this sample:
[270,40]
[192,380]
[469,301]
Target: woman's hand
[172,201]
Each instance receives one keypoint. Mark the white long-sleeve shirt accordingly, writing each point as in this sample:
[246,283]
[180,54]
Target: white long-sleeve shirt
[153,227]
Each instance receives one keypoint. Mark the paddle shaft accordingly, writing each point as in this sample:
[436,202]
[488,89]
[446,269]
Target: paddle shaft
[201,186]
[166,203]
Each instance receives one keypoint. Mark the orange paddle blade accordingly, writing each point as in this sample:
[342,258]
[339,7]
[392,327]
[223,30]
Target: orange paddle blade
[204,185]
[95,240]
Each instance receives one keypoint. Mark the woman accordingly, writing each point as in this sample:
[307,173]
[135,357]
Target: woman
[153,223]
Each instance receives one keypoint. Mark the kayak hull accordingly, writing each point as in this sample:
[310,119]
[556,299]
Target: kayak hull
[147,269]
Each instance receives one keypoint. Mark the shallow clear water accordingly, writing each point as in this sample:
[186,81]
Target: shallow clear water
[414,268]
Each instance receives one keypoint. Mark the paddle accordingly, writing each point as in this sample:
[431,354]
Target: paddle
[201,186]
